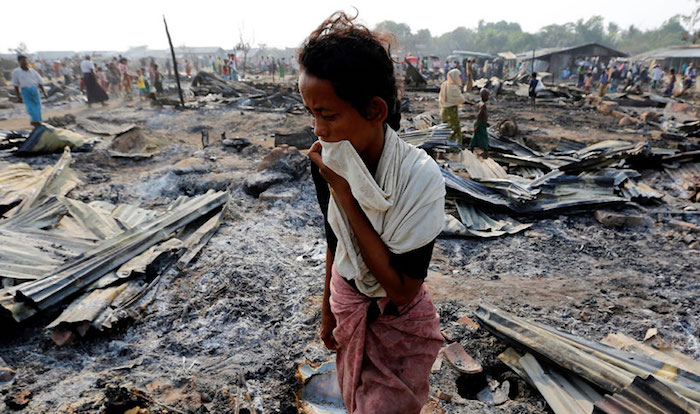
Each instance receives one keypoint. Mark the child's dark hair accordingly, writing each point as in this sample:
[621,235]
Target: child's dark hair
[356,61]
[534,75]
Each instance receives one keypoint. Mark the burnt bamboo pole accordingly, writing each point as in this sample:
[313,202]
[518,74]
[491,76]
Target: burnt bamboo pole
[177,74]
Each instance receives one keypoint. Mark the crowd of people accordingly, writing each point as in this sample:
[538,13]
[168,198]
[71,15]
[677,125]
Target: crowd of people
[434,68]
[612,77]
[97,80]
[101,79]
[631,77]
[228,66]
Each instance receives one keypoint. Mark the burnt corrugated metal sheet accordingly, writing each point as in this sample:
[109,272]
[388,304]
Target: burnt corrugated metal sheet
[80,272]
[474,222]
[611,369]
[645,396]
[685,51]
[33,187]
[556,192]
[56,248]
[582,49]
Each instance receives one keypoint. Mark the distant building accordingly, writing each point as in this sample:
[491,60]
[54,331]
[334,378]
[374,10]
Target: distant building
[556,59]
[672,57]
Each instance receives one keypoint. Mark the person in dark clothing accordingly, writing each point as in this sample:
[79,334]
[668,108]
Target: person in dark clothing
[614,79]
[157,80]
[532,90]
[671,82]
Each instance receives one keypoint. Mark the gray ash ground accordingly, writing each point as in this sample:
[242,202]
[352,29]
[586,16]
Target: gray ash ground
[230,330]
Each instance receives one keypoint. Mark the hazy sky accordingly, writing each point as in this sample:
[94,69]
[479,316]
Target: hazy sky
[92,25]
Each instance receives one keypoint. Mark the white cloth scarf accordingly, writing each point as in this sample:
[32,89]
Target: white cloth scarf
[404,202]
[450,94]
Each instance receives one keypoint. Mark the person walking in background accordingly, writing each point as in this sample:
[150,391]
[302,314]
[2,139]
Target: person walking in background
[470,77]
[142,84]
[532,90]
[102,78]
[282,65]
[125,78]
[95,93]
[450,98]
[28,83]
[671,82]
[614,78]
[581,75]
[234,68]
[588,82]
[65,69]
[603,83]
[656,75]
[157,80]
[113,80]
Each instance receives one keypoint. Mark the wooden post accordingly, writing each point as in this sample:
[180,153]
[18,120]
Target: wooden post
[177,74]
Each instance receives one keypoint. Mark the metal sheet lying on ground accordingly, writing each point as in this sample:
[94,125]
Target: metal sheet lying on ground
[57,248]
[645,395]
[19,182]
[687,177]
[434,138]
[664,389]
[78,273]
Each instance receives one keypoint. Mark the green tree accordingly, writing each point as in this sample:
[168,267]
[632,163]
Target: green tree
[494,37]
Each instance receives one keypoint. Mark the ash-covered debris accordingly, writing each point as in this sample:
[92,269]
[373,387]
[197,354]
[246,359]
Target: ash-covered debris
[228,330]
[282,164]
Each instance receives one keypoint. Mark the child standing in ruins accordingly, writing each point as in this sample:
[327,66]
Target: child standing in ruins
[481,134]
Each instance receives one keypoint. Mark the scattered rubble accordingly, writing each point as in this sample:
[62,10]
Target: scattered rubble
[282,164]
[136,143]
[207,83]
[46,139]
[563,366]
[55,248]
[226,333]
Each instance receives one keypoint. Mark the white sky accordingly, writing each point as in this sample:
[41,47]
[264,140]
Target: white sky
[115,25]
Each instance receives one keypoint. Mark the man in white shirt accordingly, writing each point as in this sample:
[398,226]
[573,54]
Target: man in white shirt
[27,83]
[95,93]
[656,75]
[86,66]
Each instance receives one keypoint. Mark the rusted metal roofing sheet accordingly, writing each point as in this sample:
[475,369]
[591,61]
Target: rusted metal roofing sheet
[33,187]
[81,271]
[645,396]
[613,370]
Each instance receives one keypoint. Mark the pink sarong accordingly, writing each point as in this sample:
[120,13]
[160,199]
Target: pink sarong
[383,366]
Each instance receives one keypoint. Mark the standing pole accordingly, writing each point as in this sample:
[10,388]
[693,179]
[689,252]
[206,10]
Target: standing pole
[177,74]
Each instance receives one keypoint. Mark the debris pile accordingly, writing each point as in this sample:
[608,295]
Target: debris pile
[136,143]
[283,164]
[207,83]
[518,180]
[208,87]
[576,375]
[43,139]
[99,257]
